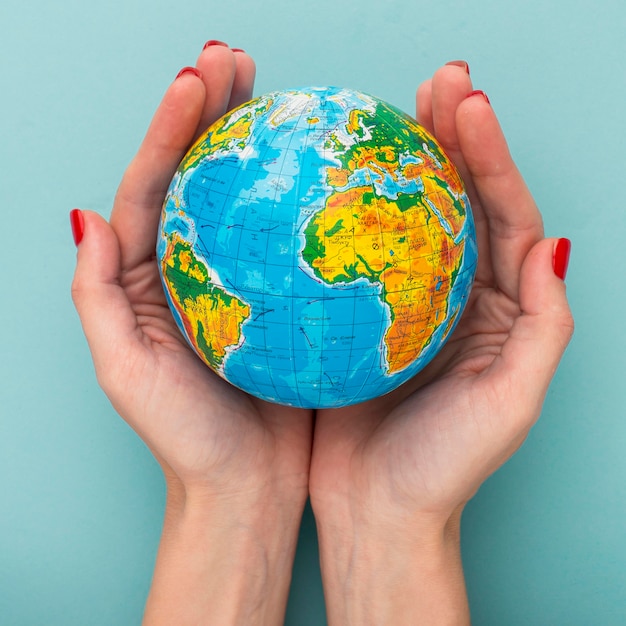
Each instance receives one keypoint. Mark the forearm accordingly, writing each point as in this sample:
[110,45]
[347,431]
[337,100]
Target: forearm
[220,563]
[389,574]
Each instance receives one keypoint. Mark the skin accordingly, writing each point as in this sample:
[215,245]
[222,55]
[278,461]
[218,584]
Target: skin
[388,479]
[236,468]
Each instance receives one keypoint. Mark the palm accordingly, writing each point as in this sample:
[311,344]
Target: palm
[201,419]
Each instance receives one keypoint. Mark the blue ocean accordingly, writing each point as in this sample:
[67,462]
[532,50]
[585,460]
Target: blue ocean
[306,343]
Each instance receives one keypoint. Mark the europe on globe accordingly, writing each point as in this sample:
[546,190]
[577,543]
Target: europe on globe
[316,247]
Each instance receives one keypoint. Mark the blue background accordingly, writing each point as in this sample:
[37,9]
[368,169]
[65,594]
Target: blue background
[544,540]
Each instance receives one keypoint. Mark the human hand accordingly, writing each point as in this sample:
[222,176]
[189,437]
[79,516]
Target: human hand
[230,461]
[390,477]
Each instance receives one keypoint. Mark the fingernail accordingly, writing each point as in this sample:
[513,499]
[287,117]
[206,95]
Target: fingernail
[77,222]
[189,70]
[463,64]
[560,257]
[214,42]
[478,92]
[237,50]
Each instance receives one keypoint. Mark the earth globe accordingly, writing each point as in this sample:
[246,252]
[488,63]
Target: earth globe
[316,247]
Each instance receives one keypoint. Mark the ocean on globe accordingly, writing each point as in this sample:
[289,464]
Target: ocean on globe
[316,247]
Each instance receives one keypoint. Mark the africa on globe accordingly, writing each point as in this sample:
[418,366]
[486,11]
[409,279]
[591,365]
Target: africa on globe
[316,247]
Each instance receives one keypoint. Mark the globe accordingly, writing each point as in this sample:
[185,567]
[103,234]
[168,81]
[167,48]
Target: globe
[316,247]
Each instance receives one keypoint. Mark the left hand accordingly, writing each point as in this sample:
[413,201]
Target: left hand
[431,443]
[413,458]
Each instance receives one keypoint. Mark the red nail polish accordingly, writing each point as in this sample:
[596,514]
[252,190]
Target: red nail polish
[214,42]
[560,257]
[478,92]
[77,222]
[237,50]
[463,64]
[189,70]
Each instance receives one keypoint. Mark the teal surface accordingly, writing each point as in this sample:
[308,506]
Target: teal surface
[82,500]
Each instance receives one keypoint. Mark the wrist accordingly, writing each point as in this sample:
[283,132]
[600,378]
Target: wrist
[285,501]
[224,558]
[379,570]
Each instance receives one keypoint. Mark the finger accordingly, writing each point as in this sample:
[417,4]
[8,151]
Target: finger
[243,82]
[438,101]
[449,80]
[136,211]
[104,310]
[505,204]
[218,66]
[539,336]
[424,106]
[450,86]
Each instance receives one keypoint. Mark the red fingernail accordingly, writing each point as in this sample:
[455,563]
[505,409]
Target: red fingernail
[463,64]
[214,42]
[237,50]
[478,92]
[77,221]
[189,70]
[560,257]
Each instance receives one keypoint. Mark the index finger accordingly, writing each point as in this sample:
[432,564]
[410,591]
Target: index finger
[137,206]
[194,101]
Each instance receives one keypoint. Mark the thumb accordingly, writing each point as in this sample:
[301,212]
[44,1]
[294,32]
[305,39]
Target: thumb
[103,307]
[539,336]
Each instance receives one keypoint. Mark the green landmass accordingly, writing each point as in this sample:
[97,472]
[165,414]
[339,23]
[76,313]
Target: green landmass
[207,350]
[314,248]
[456,202]
[335,229]
[199,301]
[192,281]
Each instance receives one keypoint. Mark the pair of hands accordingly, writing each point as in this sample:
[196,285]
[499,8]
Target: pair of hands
[407,461]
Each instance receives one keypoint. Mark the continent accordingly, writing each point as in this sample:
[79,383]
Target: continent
[211,316]
[360,236]
[403,152]
[404,239]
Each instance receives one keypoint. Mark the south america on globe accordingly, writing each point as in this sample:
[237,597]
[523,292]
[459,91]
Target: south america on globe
[316,247]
